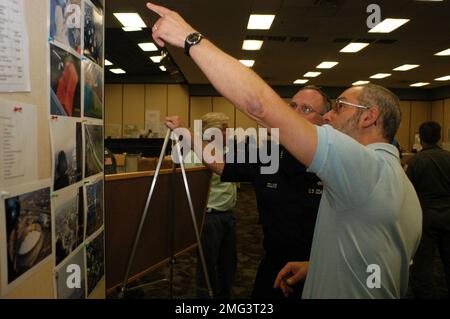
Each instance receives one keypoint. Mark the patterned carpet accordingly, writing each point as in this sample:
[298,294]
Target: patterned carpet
[249,246]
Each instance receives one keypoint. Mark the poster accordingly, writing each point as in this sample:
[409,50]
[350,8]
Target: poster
[65,23]
[95,261]
[65,91]
[14,56]
[69,221]
[94,203]
[18,143]
[93,33]
[67,151]
[25,230]
[77,290]
[93,139]
[93,90]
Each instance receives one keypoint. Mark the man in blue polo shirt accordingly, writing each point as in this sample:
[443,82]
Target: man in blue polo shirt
[369,221]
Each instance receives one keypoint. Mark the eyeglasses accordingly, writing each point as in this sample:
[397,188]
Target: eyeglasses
[305,109]
[339,104]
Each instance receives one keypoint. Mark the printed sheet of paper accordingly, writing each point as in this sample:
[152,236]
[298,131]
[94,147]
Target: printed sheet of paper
[18,144]
[14,55]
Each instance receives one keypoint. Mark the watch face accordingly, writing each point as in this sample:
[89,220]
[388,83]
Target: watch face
[193,37]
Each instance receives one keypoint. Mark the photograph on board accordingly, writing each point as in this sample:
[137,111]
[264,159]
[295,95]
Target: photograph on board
[67,152]
[93,33]
[73,287]
[95,261]
[93,90]
[94,200]
[69,221]
[28,231]
[65,78]
[65,23]
[94,149]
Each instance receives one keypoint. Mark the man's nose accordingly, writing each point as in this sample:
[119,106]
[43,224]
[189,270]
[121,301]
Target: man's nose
[327,116]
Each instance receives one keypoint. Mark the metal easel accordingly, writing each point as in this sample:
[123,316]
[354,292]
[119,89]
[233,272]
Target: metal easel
[124,287]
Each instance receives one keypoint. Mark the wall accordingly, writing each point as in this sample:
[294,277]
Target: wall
[40,283]
[120,108]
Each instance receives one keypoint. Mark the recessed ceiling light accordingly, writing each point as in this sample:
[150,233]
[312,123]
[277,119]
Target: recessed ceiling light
[252,45]
[354,47]
[406,67]
[248,63]
[117,71]
[149,46]
[130,20]
[300,81]
[388,25]
[131,29]
[156,59]
[326,65]
[443,53]
[107,63]
[260,21]
[311,74]
[360,82]
[443,78]
[163,68]
[380,75]
[419,84]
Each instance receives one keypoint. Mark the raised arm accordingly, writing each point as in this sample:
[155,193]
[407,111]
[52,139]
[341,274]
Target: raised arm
[175,122]
[239,84]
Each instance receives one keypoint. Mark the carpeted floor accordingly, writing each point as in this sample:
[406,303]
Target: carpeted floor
[249,239]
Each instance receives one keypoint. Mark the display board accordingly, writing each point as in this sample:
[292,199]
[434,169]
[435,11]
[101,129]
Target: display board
[51,200]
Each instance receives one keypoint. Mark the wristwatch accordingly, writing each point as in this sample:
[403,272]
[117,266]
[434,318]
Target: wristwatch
[192,39]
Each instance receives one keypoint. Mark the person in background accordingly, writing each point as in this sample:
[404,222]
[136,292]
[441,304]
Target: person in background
[219,230]
[429,171]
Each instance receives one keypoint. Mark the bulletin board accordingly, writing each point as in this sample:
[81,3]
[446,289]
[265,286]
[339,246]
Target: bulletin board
[54,223]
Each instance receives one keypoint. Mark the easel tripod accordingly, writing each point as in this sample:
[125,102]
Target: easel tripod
[144,216]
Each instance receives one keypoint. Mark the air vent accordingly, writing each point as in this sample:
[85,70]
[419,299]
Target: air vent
[298,39]
[276,38]
[255,37]
[386,41]
[364,40]
[341,40]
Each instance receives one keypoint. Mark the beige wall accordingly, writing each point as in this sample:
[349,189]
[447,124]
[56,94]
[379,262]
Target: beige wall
[174,99]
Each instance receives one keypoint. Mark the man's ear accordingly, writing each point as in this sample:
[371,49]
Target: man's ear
[370,117]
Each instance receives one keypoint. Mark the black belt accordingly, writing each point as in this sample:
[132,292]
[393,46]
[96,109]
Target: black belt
[212,210]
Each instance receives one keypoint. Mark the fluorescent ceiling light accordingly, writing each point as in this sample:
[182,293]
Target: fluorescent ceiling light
[311,74]
[406,67]
[131,29]
[360,82]
[300,81]
[130,20]
[248,63]
[163,68]
[388,25]
[252,45]
[380,75]
[326,65]
[443,78]
[260,21]
[107,63]
[443,53]
[149,46]
[117,71]
[418,84]
[156,59]
[354,47]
